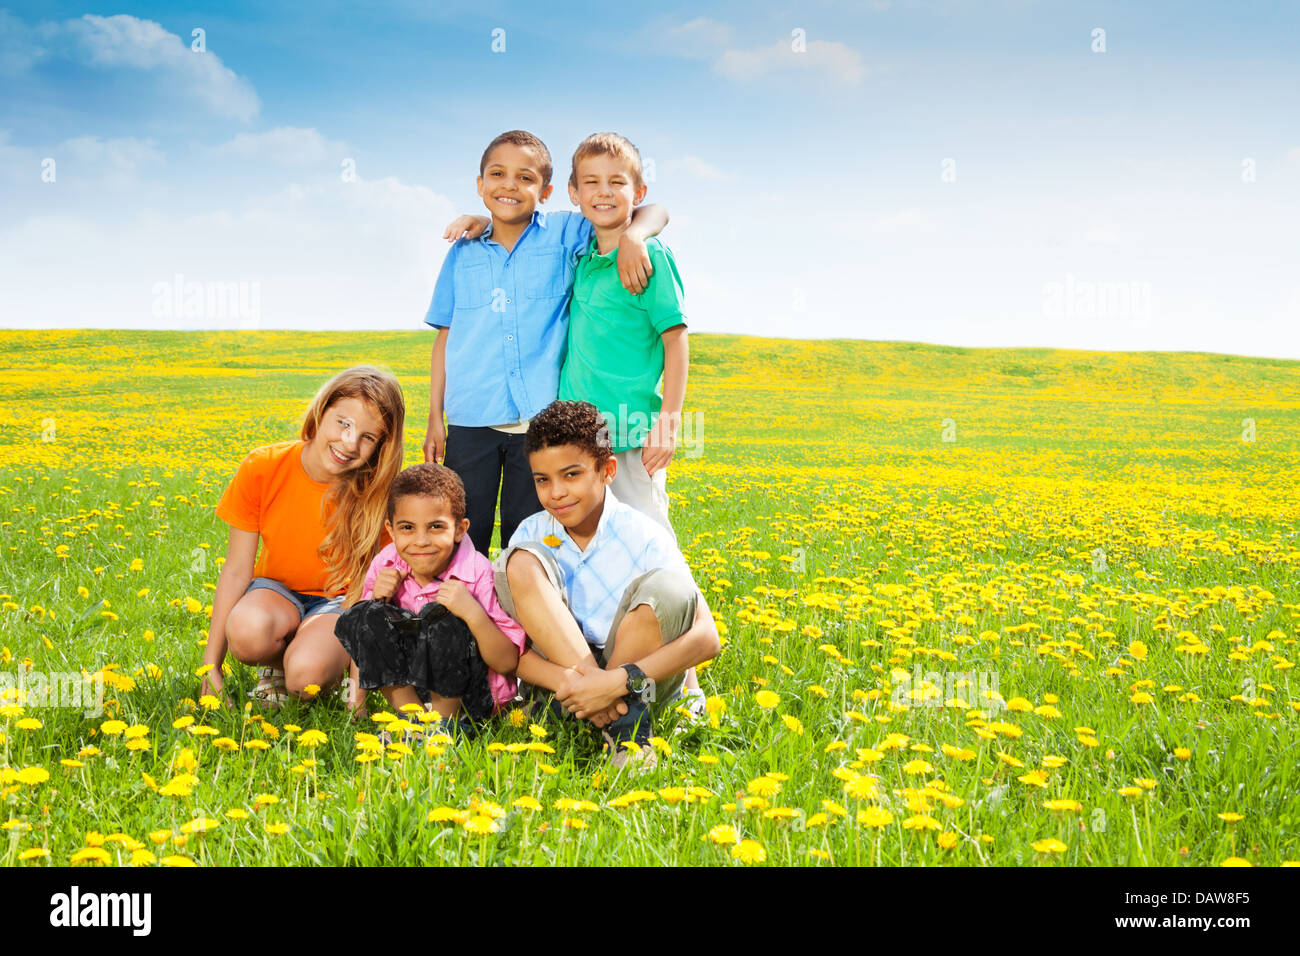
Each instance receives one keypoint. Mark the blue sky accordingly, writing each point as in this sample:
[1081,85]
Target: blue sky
[964,173]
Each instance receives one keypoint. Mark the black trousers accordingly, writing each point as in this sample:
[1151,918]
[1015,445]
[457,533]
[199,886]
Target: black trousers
[430,651]
[489,463]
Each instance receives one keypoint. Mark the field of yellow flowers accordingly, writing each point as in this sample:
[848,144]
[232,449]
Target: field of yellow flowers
[980,606]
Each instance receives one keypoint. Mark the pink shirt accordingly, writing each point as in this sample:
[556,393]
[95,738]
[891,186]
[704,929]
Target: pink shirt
[472,569]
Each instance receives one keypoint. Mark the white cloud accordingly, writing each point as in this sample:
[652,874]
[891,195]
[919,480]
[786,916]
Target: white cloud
[697,167]
[700,39]
[123,42]
[320,253]
[287,146]
[1293,154]
[712,41]
[827,58]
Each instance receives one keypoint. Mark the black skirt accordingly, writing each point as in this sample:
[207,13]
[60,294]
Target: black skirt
[432,651]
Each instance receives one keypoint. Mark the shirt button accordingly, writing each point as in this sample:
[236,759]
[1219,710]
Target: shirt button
[510,338]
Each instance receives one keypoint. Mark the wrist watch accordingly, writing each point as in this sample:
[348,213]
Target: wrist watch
[639,685]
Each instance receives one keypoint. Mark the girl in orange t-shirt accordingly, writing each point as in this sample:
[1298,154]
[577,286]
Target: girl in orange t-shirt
[318,506]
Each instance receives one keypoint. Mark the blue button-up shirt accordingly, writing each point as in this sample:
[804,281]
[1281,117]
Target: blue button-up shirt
[507,313]
[625,546]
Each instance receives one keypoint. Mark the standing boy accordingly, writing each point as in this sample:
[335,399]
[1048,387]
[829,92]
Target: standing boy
[501,308]
[621,345]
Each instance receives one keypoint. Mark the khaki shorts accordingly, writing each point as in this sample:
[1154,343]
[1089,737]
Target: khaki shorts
[647,493]
[670,593]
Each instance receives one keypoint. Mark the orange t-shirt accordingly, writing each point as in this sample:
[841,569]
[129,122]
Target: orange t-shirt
[274,496]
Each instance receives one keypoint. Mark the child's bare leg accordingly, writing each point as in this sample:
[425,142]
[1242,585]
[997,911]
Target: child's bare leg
[398,695]
[258,628]
[542,612]
[638,636]
[445,707]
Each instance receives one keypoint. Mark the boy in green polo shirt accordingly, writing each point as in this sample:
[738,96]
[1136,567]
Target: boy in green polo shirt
[621,345]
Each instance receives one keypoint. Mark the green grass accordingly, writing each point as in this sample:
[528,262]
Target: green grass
[1098,497]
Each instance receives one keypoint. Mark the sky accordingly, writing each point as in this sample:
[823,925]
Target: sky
[1006,173]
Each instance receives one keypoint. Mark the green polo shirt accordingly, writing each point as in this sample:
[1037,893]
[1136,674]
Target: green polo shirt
[615,357]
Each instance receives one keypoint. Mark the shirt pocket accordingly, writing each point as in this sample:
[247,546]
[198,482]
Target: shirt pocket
[473,285]
[546,274]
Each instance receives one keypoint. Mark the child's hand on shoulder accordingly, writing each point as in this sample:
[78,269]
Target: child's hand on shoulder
[469,227]
[460,600]
[634,268]
[387,582]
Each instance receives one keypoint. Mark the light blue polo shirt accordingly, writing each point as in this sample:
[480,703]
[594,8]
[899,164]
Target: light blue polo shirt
[508,315]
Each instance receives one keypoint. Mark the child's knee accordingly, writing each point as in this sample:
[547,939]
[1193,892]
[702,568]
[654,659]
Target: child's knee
[667,594]
[250,634]
[299,675]
[523,569]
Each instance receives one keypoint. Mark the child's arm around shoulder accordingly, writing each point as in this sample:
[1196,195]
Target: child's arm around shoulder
[634,264]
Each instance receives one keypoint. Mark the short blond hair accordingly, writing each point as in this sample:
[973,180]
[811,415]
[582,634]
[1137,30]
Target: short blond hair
[607,144]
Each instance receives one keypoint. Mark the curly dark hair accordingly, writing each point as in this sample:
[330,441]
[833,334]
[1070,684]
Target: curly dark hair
[433,481]
[525,140]
[570,423]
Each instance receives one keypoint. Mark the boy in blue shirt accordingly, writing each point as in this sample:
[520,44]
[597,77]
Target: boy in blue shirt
[506,294]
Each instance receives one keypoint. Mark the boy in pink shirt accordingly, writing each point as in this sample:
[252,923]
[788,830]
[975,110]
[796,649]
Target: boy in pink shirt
[429,623]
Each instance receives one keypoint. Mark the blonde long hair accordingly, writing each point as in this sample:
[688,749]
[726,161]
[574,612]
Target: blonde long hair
[361,498]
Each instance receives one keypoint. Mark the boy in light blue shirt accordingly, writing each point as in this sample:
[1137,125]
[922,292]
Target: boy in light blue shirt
[501,308]
[615,621]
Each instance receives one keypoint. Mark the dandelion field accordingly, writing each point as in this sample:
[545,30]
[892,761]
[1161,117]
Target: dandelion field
[980,607]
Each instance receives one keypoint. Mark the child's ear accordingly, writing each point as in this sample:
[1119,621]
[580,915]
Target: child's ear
[388,527]
[462,526]
[639,197]
[573,195]
[545,193]
[609,470]
[478,184]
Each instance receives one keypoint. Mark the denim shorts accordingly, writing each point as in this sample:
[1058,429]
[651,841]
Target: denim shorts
[308,605]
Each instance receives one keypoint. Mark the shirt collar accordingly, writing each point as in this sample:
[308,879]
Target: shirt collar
[459,568]
[462,560]
[601,258]
[539,220]
[610,504]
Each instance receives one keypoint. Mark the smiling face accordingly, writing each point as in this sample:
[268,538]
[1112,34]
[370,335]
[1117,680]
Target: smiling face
[426,534]
[571,487]
[607,190]
[348,436]
[512,185]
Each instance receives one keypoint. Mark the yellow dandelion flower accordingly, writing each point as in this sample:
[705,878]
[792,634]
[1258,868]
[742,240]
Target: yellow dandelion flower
[875,817]
[724,834]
